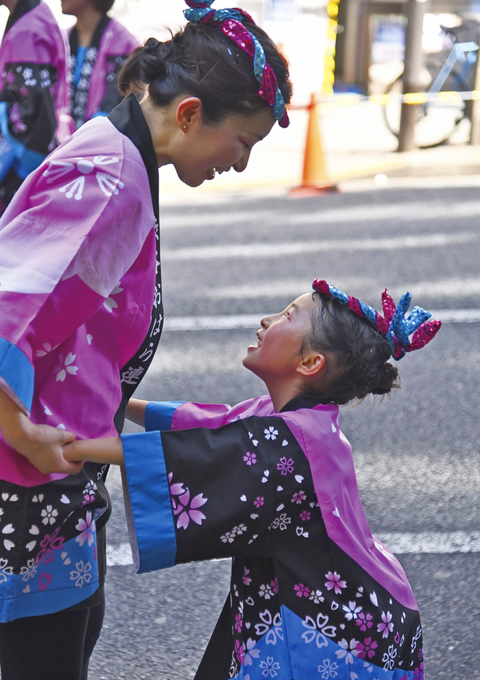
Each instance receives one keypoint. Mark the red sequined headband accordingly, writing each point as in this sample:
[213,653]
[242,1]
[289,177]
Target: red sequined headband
[229,21]
[394,326]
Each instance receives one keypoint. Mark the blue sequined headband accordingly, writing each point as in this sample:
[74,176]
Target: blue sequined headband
[394,326]
[230,22]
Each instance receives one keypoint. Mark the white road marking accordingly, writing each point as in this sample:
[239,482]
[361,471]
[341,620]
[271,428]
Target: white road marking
[429,542]
[400,212]
[119,555]
[261,249]
[448,287]
[438,543]
[236,321]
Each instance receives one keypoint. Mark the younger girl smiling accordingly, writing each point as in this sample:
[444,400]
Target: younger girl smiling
[271,483]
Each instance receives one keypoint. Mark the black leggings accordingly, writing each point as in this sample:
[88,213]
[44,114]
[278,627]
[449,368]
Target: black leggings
[51,647]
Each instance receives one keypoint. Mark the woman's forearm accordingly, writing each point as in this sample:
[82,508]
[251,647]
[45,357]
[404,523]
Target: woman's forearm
[108,451]
[13,421]
[136,411]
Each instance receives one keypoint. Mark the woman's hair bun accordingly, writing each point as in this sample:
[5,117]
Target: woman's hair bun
[198,61]
[152,45]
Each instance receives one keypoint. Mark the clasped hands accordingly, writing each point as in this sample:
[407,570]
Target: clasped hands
[44,446]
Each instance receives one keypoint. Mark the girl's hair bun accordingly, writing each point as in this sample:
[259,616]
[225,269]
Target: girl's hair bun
[385,380]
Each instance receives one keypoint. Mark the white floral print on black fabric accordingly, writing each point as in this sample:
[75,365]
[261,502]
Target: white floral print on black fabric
[30,91]
[269,521]
[35,526]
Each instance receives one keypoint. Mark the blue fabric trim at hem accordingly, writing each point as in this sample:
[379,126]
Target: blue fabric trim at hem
[298,648]
[17,372]
[150,500]
[159,415]
[64,577]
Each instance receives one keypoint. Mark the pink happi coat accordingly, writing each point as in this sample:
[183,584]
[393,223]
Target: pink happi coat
[34,70]
[96,93]
[78,264]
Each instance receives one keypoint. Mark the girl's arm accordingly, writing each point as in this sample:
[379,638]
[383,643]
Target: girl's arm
[136,411]
[107,451]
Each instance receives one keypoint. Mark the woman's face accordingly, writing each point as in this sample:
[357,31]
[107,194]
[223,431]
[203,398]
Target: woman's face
[204,150]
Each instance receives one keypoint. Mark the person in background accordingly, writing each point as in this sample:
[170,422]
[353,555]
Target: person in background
[34,98]
[99,45]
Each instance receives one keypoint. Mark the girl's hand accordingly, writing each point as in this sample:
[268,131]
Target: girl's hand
[42,445]
[136,411]
[108,451]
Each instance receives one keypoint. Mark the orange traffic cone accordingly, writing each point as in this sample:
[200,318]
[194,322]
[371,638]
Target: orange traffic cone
[315,177]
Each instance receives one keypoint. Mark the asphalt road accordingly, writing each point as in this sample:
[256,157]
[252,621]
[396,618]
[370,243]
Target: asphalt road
[417,452]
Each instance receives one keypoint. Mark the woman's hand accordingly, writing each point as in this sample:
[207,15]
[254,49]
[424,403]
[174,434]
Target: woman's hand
[42,445]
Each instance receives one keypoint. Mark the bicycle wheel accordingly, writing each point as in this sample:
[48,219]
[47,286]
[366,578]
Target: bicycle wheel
[436,122]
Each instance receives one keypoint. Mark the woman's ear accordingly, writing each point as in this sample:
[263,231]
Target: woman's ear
[311,364]
[189,112]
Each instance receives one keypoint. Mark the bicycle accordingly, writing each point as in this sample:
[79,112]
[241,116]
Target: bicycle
[437,121]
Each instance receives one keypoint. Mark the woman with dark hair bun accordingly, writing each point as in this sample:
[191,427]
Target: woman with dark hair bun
[81,312]
[98,47]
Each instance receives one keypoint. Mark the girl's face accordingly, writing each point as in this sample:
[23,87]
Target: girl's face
[203,150]
[277,355]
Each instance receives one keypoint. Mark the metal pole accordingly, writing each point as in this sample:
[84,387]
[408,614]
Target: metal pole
[475,110]
[411,75]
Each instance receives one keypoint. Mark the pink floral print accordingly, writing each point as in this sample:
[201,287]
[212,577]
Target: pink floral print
[334,582]
[386,627]
[87,527]
[285,466]
[188,509]
[301,590]
[250,458]
[367,648]
[48,545]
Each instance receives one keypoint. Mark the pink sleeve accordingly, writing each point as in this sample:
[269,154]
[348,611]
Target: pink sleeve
[74,228]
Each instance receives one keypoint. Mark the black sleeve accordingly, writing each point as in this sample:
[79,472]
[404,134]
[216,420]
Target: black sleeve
[29,95]
[204,493]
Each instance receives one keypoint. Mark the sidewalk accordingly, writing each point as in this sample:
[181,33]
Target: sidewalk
[357,144]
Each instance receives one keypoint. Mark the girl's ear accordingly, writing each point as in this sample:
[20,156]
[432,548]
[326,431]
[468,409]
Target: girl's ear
[189,111]
[311,364]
